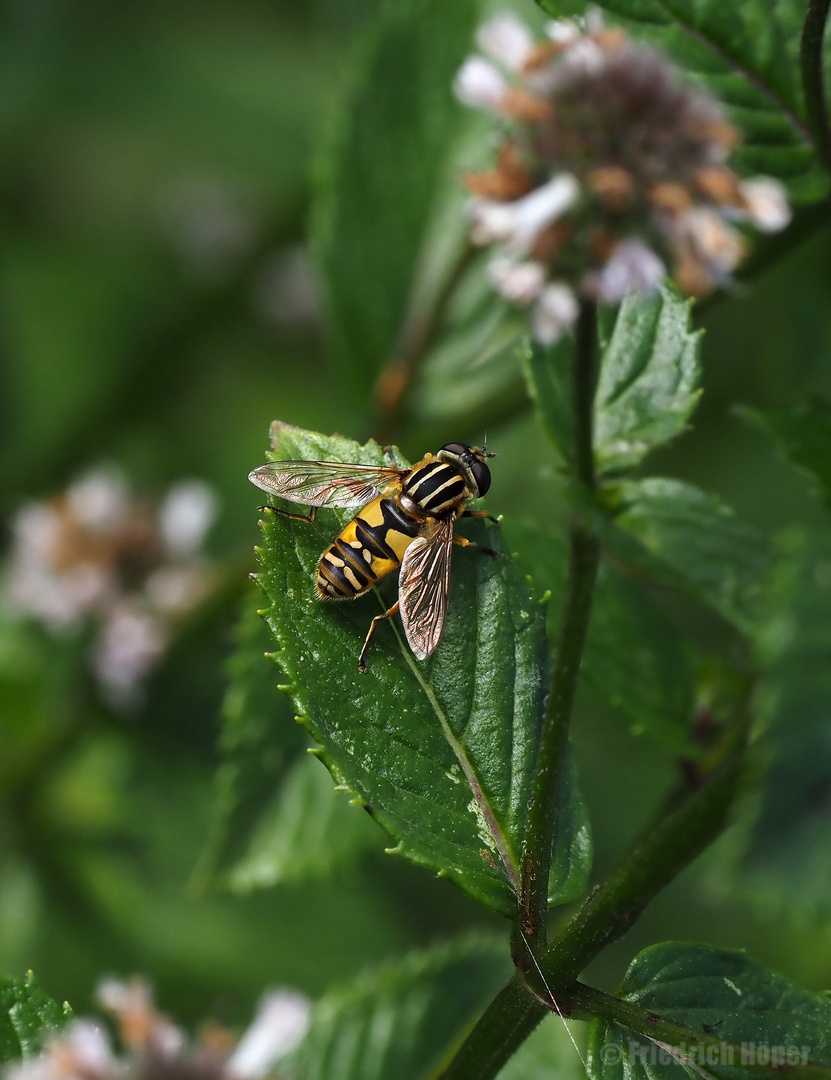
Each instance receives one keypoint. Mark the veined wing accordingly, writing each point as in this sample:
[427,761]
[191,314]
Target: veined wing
[423,585]
[325,483]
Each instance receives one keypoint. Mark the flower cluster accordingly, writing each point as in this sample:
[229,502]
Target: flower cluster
[155,1048]
[611,171]
[95,557]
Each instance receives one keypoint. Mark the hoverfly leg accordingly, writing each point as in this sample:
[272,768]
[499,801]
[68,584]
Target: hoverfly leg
[371,631]
[388,450]
[462,541]
[480,514]
[289,514]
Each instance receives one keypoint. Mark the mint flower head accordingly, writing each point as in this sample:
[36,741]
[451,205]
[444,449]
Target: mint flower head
[611,172]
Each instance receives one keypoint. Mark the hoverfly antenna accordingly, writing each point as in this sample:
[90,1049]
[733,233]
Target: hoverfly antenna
[485,447]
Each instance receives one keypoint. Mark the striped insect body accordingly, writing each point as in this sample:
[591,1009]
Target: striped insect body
[406,523]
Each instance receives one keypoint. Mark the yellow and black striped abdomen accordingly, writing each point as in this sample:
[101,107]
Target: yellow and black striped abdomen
[371,546]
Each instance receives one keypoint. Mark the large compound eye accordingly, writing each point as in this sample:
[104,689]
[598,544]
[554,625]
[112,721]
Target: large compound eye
[456,448]
[482,476]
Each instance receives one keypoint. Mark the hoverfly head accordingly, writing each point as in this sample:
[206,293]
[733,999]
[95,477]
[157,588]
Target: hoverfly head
[471,462]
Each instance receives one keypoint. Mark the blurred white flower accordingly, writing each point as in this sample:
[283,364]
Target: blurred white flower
[518,224]
[98,500]
[281,1023]
[506,39]
[555,313]
[154,1047]
[188,511]
[129,644]
[766,204]
[479,84]
[95,557]
[632,267]
[518,282]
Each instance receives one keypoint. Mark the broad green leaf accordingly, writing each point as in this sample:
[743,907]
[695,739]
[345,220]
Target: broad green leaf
[635,657]
[647,387]
[381,172]
[548,1052]
[720,991]
[649,376]
[784,863]
[404,1020]
[259,741]
[803,436]
[307,831]
[692,540]
[439,752]
[27,1017]
[747,55]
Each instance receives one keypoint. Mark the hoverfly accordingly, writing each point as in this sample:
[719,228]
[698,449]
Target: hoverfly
[407,521]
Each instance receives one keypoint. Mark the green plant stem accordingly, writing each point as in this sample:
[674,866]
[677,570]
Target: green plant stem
[395,380]
[574,623]
[691,818]
[813,81]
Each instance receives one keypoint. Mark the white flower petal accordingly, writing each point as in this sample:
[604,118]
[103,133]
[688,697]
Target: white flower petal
[131,642]
[555,312]
[767,203]
[632,267]
[185,516]
[99,499]
[518,282]
[280,1025]
[716,243]
[517,224]
[479,84]
[506,39]
[562,31]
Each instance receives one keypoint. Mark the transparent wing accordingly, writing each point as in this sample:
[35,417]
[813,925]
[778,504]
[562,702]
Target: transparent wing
[324,483]
[422,588]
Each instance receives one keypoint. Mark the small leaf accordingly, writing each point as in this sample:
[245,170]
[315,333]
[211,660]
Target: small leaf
[440,752]
[404,1020]
[307,831]
[747,55]
[692,540]
[803,436]
[754,1012]
[381,175]
[649,377]
[27,1017]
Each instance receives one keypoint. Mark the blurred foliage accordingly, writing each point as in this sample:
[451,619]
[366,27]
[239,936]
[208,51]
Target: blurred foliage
[158,308]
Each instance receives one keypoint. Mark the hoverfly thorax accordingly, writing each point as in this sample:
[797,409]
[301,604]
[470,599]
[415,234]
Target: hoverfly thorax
[405,522]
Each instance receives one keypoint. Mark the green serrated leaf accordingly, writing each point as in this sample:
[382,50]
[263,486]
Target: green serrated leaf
[803,436]
[27,1017]
[750,1008]
[440,752]
[747,55]
[692,540]
[307,831]
[404,1020]
[649,376]
[380,175]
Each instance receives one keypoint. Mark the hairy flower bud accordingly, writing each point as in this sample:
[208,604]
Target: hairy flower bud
[612,171]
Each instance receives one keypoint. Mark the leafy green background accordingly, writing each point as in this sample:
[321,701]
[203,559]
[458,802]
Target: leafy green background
[160,167]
